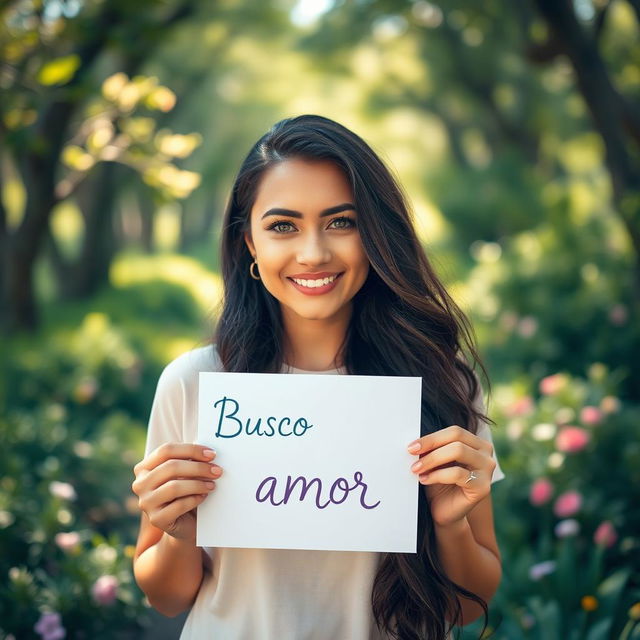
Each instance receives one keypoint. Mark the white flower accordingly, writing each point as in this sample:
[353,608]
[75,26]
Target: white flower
[542,569]
[62,490]
[543,431]
[566,528]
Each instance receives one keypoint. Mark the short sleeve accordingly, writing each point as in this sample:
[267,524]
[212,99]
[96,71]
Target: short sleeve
[174,412]
[166,418]
[484,431]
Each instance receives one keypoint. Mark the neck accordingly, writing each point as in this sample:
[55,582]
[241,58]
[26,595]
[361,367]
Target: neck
[314,345]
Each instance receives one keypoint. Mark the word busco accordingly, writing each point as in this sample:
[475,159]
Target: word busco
[230,426]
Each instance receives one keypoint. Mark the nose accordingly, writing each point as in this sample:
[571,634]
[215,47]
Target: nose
[313,250]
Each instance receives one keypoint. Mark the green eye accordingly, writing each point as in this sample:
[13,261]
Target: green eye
[343,223]
[281,226]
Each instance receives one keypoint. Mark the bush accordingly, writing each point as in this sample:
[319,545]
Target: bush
[566,513]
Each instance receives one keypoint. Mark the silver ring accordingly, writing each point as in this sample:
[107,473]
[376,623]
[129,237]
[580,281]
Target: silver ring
[472,476]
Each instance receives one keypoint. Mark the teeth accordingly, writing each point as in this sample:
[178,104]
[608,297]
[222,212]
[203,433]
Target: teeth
[314,283]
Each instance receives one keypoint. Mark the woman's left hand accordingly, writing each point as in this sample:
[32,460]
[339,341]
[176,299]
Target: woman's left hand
[447,458]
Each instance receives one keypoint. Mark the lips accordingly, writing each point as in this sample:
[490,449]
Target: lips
[313,276]
[315,290]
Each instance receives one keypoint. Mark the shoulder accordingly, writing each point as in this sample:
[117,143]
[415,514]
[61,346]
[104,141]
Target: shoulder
[182,372]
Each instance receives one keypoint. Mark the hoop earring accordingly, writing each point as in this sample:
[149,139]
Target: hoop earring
[253,264]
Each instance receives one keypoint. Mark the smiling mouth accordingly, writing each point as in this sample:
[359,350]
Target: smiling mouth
[315,286]
[312,284]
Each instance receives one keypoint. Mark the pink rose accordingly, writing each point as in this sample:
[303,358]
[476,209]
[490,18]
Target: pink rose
[618,315]
[567,504]
[527,326]
[540,492]
[610,404]
[520,407]
[67,541]
[605,534]
[105,589]
[572,439]
[590,415]
[553,384]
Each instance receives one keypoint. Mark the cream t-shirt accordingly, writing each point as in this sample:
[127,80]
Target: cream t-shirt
[266,594]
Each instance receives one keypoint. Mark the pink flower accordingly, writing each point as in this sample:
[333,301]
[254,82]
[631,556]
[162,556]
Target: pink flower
[105,590]
[605,534]
[567,504]
[67,541]
[62,490]
[542,569]
[590,415]
[527,326]
[553,384]
[520,407]
[610,404]
[572,439]
[49,627]
[618,315]
[540,492]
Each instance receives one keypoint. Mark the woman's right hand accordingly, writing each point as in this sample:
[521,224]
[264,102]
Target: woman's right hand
[171,482]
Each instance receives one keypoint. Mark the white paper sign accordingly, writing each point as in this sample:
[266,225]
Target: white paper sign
[310,461]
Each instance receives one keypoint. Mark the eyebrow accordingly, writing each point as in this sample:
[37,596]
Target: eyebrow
[345,206]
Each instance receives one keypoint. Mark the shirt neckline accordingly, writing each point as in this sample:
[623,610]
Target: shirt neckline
[287,368]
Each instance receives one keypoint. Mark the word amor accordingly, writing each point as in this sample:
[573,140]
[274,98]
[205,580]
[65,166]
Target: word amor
[230,426]
[338,492]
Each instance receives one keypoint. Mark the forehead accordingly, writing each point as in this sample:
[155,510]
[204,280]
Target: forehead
[303,185]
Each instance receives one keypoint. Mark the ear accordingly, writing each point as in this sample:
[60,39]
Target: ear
[249,242]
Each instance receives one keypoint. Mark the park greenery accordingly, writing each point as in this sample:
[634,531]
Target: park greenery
[514,129]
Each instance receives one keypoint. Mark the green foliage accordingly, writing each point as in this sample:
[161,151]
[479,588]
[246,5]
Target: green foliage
[488,203]
[76,400]
[558,297]
[64,520]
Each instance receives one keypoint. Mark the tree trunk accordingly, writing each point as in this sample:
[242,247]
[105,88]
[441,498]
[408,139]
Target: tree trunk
[22,250]
[147,209]
[90,271]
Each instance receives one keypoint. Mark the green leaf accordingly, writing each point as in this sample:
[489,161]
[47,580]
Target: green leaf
[59,71]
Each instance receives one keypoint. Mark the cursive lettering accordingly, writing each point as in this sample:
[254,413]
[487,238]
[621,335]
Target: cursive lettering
[338,493]
[230,425]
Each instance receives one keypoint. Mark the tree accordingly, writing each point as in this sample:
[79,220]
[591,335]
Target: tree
[48,79]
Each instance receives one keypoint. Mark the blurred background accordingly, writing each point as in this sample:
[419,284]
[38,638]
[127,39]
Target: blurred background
[514,128]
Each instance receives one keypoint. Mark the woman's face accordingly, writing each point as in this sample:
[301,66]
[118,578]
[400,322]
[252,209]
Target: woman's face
[305,239]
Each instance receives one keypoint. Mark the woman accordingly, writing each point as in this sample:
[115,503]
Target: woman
[323,273]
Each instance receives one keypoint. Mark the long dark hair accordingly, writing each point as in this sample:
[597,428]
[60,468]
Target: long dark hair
[403,323]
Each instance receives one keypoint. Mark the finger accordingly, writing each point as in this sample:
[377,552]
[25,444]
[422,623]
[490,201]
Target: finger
[162,518]
[455,475]
[172,491]
[457,452]
[172,469]
[178,489]
[445,436]
[175,450]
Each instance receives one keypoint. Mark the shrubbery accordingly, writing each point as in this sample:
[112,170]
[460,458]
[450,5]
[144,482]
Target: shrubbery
[566,513]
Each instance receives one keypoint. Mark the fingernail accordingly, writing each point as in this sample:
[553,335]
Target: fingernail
[208,453]
[216,471]
[416,465]
[414,446]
